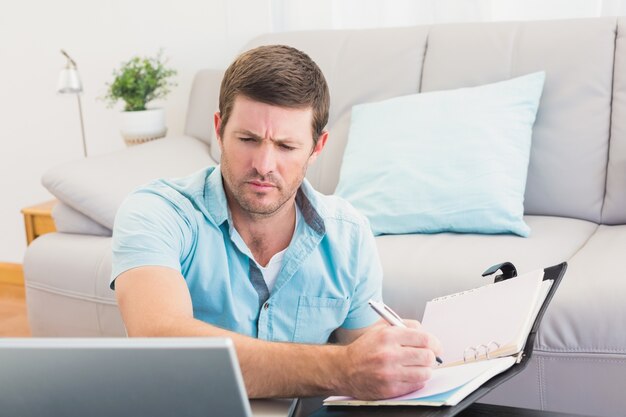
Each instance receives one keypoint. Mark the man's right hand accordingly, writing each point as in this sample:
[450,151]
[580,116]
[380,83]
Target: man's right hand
[387,361]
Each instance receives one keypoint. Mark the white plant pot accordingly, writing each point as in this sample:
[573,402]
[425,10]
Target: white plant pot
[142,126]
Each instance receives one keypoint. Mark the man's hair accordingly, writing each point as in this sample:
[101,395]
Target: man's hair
[278,75]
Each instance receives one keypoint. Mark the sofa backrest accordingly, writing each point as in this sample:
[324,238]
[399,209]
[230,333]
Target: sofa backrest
[567,170]
[203,103]
[573,164]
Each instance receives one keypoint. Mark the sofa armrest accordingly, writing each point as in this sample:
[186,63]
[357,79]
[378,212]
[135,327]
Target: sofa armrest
[203,103]
[96,186]
[68,220]
[67,287]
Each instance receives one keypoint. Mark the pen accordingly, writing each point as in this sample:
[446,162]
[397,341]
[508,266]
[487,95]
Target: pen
[391,317]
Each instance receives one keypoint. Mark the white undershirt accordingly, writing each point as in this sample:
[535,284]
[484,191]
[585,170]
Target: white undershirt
[271,270]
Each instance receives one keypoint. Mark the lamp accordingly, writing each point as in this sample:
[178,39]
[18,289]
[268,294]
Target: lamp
[69,83]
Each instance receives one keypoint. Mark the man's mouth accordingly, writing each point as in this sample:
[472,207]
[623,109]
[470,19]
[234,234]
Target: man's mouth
[261,185]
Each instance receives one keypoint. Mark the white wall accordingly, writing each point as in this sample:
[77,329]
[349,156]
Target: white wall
[40,129]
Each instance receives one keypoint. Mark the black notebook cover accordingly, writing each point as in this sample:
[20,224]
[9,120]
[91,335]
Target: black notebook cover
[313,407]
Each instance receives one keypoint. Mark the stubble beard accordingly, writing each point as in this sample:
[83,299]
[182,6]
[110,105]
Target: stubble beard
[246,199]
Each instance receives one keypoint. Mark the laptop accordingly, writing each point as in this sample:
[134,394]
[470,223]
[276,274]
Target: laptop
[124,376]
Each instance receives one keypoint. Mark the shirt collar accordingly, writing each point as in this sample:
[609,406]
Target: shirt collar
[216,197]
[306,199]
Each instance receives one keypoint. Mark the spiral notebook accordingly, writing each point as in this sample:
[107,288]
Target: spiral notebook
[483,332]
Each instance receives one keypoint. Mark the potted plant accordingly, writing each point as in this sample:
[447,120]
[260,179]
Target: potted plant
[137,82]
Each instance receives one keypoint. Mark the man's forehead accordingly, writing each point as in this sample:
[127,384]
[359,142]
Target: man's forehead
[259,119]
[247,104]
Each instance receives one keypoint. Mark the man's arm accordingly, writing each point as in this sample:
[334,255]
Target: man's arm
[383,362]
[346,336]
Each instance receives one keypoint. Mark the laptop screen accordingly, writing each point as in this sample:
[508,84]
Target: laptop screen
[110,377]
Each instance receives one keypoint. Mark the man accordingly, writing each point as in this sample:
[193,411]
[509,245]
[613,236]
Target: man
[248,250]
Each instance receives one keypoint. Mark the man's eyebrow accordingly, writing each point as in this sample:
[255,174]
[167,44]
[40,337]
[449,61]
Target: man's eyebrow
[248,133]
[245,132]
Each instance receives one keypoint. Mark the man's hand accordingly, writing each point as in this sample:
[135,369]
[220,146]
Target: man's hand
[388,361]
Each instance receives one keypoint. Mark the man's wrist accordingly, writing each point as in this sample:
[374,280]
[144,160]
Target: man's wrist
[336,368]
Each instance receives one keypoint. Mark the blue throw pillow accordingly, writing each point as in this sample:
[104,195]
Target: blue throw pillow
[444,161]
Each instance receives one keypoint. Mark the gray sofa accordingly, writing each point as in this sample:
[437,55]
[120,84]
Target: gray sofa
[575,201]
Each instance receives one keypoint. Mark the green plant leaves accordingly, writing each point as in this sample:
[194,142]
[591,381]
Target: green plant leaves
[139,81]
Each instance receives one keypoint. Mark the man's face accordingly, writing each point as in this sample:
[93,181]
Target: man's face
[265,153]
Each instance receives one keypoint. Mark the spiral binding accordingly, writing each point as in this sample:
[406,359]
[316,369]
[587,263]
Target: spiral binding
[479,350]
[449,296]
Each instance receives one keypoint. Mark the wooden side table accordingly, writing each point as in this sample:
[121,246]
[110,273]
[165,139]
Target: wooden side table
[38,220]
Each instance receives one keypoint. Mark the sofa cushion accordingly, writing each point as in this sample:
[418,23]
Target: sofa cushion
[588,312]
[418,268]
[567,171]
[453,160]
[97,185]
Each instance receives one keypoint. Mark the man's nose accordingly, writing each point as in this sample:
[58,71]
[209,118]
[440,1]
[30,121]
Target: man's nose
[265,159]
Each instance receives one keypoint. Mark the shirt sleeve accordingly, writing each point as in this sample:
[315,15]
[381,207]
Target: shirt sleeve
[369,285]
[149,229]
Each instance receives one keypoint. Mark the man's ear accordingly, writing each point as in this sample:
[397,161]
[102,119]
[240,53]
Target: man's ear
[217,123]
[321,142]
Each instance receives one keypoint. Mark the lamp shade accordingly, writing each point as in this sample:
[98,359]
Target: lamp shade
[69,81]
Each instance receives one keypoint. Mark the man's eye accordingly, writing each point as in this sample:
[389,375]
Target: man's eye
[246,139]
[287,147]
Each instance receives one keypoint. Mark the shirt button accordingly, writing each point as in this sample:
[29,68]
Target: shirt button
[266,306]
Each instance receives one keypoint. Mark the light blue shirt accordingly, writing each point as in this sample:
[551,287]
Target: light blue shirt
[329,271]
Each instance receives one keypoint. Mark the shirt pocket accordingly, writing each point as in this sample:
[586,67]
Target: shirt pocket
[318,317]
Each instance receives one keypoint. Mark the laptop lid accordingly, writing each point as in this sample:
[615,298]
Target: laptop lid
[113,377]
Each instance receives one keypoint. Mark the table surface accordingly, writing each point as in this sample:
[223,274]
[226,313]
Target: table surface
[311,407]
[271,407]
[41,209]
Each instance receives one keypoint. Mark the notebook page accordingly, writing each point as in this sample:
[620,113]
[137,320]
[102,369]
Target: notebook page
[541,297]
[496,312]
